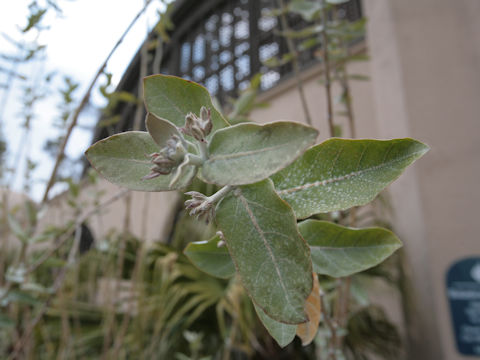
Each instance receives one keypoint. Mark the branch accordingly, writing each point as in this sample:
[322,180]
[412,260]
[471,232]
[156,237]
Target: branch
[84,102]
[331,326]
[326,64]
[59,280]
[296,68]
[78,222]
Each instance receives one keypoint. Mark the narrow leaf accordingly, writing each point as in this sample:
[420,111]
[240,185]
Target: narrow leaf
[6,321]
[22,297]
[307,331]
[359,77]
[339,251]
[17,229]
[308,10]
[282,333]
[122,159]
[209,258]
[270,256]
[32,215]
[341,173]
[172,98]
[303,33]
[248,153]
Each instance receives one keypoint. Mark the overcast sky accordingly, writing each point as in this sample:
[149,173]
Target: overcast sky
[77,44]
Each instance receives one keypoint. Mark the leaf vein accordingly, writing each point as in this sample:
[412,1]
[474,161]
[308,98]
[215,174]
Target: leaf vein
[265,242]
[325,182]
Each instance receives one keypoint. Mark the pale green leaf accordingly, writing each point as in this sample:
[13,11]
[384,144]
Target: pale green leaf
[359,77]
[172,98]
[275,61]
[32,215]
[247,153]
[6,322]
[208,257]
[303,33]
[160,130]
[358,57]
[282,333]
[308,10]
[341,173]
[22,297]
[123,160]
[270,256]
[340,251]
[17,229]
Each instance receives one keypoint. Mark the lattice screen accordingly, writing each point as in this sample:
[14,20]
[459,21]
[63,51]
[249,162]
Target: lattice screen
[231,42]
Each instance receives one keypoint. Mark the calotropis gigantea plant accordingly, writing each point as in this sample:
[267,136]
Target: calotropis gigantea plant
[271,177]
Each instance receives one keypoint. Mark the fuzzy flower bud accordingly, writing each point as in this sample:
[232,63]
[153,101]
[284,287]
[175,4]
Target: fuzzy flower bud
[206,118]
[165,161]
[200,206]
[198,127]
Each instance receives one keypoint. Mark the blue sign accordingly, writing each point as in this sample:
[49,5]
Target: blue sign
[463,291]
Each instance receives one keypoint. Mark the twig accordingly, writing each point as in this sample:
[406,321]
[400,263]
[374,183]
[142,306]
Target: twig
[143,72]
[346,301]
[69,232]
[326,72]
[341,70]
[343,75]
[157,59]
[84,102]
[296,67]
[59,280]
[56,286]
[331,326]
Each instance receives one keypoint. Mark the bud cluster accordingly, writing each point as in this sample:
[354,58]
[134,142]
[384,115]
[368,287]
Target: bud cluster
[175,156]
[201,206]
[167,159]
[198,127]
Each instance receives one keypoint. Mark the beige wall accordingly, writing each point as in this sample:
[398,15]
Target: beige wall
[284,101]
[149,218]
[426,81]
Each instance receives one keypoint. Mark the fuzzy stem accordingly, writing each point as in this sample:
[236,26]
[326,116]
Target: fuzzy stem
[203,149]
[220,194]
[195,160]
